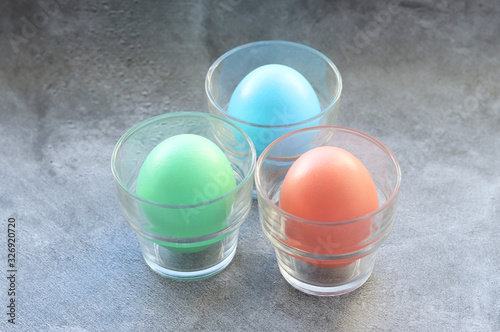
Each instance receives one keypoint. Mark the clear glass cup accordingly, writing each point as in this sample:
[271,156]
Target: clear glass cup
[228,71]
[203,255]
[326,263]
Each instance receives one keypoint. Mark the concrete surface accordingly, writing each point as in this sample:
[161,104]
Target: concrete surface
[421,76]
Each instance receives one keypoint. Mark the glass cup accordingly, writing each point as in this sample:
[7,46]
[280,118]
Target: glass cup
[202,253]
[230,69]
[317,257]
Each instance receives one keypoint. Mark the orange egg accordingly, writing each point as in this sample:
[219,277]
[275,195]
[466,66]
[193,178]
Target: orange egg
[328,184]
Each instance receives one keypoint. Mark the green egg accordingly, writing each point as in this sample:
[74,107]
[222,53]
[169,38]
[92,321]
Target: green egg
[186,170]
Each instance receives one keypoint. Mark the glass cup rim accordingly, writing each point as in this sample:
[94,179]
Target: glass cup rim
[217,62]
[366,136]
[146,122]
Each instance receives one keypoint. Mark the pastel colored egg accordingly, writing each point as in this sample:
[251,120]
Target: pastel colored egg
[327,185]
[273,95]
[186,170]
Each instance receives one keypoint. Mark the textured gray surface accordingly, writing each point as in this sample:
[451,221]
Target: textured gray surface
[421,76]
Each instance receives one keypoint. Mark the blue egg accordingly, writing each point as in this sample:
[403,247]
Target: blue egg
[269,96]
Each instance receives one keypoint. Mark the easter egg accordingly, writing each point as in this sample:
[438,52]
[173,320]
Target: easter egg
[186,170]
[269,96]
[327,185]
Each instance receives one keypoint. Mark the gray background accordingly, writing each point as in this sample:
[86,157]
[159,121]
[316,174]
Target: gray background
[421,76]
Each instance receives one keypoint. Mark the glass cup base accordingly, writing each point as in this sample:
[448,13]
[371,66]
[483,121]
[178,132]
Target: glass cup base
[320,281]
[325,290]
[189,266]
[193,275]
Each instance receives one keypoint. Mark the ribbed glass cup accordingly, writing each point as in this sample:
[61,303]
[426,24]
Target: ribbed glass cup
[326,263]
[229,70]
[185,258]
